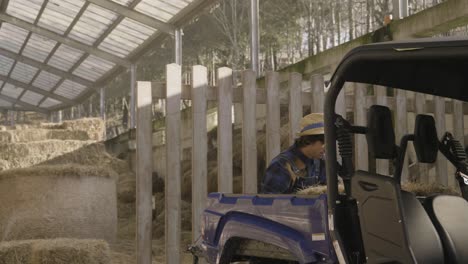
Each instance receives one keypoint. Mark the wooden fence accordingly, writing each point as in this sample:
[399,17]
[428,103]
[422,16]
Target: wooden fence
[352,102]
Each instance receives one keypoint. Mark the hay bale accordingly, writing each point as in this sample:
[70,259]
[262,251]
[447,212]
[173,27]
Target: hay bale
[58,201]
[21,155]
[30,135]
[55,251]
[51,125]
[95,127]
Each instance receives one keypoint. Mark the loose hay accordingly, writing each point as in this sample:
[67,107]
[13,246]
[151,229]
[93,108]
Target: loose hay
[55,251]
[29,135]
[91,154]
[58,201]
[419,189]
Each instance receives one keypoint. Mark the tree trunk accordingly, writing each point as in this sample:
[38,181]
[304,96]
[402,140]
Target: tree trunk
[310,44]
[350,20]
[333,24]
[338,21]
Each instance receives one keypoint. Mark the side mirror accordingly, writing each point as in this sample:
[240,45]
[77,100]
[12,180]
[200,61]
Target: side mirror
[426,143]
[380,134]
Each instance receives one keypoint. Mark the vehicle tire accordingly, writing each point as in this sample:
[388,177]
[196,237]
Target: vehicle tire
[228,251]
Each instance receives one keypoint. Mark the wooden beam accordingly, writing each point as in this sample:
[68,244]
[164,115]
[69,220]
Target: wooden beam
[199,148]
[144,171]
[249,133]
[225,178]
[135,15]
[173,156]
[295,105]
[64,40]
[273,138]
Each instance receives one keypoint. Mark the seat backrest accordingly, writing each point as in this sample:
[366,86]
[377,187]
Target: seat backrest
[423,237]
[450,217]
[392,221]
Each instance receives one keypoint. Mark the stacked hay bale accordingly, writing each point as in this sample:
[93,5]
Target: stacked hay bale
[57,182]
[69,200]
[56,251]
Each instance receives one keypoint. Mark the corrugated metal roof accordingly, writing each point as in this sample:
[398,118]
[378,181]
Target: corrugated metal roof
[55,52]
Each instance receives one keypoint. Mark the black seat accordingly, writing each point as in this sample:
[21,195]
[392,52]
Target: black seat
[395,227]
[422,235]
[450,217]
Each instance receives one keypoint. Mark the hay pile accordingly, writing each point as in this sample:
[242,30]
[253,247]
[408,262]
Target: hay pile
[95,127]
[56,251]
[91,154]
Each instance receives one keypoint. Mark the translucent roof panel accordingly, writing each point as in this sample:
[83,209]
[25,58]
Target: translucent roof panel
[127,36]
[11,90]
[93,67]
[23,72]
[94,21]
[24,9]
[69,47]
[5,103]
[46,80]
[65,57]
[161,9]
[49,102]
[59,14]
[5,65]
[70,89]
[38,47]
[31,98]
[123,2]
[12,37]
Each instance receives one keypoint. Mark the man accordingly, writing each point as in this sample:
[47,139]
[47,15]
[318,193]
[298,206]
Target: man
[301,165]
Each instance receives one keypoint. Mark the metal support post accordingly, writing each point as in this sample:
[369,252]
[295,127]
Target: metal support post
[132,95]
[12,118]
[254,36]
[59,116]
[400,9]
[102,103]
[178,46]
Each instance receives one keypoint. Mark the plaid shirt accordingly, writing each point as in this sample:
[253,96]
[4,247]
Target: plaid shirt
[292,171]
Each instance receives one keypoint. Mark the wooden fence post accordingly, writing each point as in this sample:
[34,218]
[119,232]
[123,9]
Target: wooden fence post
[441,164]
[273,137]
[173,155]
[199,147]
[249,131]
[144,171]
[295,105]
[318,94]
[401,124]
[382,165]
[420,108]
[225,180]
[360,119]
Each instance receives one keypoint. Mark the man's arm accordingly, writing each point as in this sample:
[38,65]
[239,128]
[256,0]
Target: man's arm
[277,179]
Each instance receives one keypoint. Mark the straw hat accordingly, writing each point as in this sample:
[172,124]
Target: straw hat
[311,124]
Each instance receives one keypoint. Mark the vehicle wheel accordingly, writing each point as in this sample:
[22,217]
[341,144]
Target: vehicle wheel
[228,251]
